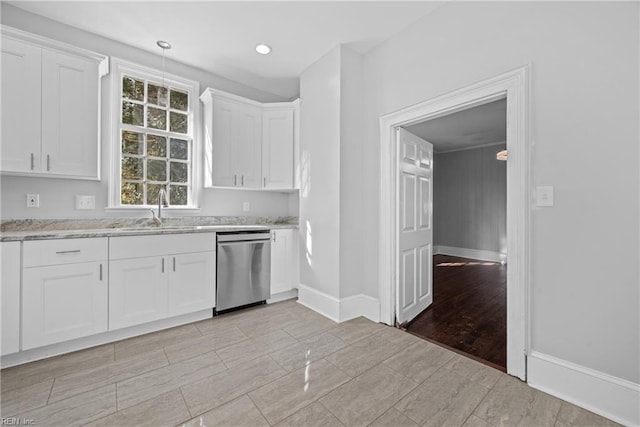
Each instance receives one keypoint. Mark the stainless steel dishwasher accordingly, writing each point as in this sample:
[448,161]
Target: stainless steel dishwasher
[244,269]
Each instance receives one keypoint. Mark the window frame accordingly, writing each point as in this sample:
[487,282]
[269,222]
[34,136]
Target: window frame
[121,68]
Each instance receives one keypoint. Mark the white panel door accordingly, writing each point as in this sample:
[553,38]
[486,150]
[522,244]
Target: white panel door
[192,282]
[277,148]
[21,82]
[69,115]
[415,234]
[138,291]
[249,145]
[223,135]
[63,302]
[10,297]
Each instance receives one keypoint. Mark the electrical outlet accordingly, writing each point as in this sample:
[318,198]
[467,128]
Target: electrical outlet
[33,200]
[246,207]
[85,202]
[544,196]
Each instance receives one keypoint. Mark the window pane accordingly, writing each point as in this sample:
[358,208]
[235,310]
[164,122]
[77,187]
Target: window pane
[179,149]
[132,88]
[178,195]
[156,146]
[131,168]
[156,118]
[131,193]
[178,122]
[152,193]
[157,95]
[178,172]
[156,170]
[132,142]
[179,100]
[132,114]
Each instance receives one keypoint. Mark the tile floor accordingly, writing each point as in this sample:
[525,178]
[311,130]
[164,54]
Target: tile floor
[280,364]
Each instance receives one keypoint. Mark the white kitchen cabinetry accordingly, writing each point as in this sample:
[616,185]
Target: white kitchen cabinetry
[64,290]
[50,107]
[175,275]
[249,144]
[10,297]
[284,260]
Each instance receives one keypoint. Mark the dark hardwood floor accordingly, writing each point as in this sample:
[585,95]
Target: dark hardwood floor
[469,309]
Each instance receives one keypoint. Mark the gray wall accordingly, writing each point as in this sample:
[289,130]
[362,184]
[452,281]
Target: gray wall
[470,199]
[57,196]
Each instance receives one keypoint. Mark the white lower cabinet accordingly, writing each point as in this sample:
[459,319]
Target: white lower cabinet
[63,302]
[138,291]
[192,282]
[284,260]
[10,297]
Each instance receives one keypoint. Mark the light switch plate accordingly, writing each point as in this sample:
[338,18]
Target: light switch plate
[544,196]
[85,202]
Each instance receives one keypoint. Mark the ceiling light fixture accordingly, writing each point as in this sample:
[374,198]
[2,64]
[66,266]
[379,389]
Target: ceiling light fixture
[263,49]
[162,91]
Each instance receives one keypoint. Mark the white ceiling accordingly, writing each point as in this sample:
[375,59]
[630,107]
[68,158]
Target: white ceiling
[220,36]
[481,125]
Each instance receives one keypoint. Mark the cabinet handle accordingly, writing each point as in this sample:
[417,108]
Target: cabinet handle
[174,264]
[274,237]
[242,180]
[32,161]
[48,163]
[235,179]
[163,265]
[77,251]
[264,182]
[100,272]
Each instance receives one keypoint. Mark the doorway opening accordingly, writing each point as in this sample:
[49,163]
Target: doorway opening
[468,313]
[514,86]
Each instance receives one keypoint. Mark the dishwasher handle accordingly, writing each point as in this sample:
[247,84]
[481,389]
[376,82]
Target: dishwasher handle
[244,237]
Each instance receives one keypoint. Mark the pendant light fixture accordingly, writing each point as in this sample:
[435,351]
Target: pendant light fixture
[163,91]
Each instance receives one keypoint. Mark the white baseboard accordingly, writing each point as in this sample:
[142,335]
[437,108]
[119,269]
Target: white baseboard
[603,394]
[470,253]
[281,296]
[339,310]
[102,338]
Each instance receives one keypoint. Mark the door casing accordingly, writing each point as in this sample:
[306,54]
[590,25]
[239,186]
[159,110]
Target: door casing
[514,86]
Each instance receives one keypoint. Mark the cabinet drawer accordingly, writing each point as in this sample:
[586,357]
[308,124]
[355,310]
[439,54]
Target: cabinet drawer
[64,251]
[160,244]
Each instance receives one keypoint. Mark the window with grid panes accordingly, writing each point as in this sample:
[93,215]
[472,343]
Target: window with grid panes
[156,146]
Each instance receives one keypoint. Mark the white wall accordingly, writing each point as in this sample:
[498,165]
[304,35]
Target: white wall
[584,80]
[57,197]
[320,175]
[470,199]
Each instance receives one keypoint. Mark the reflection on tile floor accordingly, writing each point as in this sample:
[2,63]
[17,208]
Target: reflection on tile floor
[280,364]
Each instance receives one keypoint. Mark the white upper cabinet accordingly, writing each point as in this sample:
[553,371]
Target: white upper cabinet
[249,144]
[50,107]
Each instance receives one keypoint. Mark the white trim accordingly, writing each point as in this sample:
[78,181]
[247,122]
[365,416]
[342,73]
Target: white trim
[119,67]
[320,302]
[514,85]
[473,147]
[359,305]
[99,339]
[282,296]
[339,310]
[207,97]
[601,393]
[478,254]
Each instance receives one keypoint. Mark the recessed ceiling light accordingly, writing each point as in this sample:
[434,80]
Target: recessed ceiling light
[263,49]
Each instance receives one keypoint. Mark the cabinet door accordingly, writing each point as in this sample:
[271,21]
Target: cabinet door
[20,106]
[277,148]
[192,282]
[249,146]
[138,291]
[223,147]
[282,262]
[63,302]
[10,297]
[69,115]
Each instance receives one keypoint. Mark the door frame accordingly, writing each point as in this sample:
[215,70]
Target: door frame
[514,86]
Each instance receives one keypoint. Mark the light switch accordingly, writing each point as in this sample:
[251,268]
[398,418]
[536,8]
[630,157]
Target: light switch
[544,196]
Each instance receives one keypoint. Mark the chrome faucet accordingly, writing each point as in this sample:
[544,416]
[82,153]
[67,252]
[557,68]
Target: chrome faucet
[162,202]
